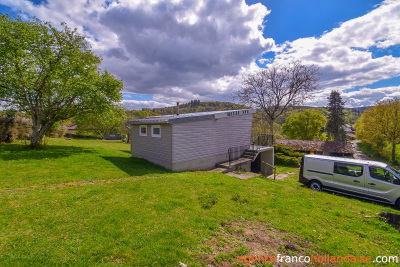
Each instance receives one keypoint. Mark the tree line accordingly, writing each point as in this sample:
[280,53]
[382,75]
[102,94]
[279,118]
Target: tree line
[379,126]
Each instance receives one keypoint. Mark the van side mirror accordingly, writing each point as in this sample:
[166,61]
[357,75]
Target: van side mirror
[396,181]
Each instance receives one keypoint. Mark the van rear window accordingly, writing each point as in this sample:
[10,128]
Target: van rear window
[348,169]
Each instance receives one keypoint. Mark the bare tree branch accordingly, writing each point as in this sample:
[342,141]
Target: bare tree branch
[277,88]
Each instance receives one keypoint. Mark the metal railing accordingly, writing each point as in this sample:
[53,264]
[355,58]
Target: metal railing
[260,141]
[263,140]
[254,148]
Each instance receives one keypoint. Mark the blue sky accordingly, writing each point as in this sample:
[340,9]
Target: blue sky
[167,51]
[293,19]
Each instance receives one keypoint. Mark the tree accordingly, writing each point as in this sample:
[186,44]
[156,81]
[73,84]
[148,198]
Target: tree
[50,74]
[305,125]
[260,126]
[380,125]
[336,120]
[109,121]
[277,88]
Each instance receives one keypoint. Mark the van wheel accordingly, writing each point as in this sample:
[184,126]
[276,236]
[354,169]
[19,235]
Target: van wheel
[316,186]
[397,204]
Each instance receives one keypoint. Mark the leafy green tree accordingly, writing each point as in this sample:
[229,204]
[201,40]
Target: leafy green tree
[380,125]
[305,125]
[51,75]
[336,119]
[110,120]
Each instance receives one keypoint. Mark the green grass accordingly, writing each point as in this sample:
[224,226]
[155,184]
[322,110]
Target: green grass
[63,161]
[84,203]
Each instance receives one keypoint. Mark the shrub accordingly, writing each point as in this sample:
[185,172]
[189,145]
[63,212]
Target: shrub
[287,156]
[6,125]
[282,159]
[14,127]
[287,151]
[22,128]
[57,130]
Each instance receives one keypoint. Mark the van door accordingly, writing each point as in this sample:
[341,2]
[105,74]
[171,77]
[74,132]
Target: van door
[349,178]
[382,184]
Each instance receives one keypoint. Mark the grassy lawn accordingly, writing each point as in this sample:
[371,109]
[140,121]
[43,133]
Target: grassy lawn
[84,203]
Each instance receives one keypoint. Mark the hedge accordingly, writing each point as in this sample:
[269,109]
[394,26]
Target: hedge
[287,156]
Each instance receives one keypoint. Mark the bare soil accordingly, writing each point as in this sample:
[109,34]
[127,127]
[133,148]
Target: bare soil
[254,239]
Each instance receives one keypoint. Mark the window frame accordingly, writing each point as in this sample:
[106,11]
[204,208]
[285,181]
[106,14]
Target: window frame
[348,164]
[152,131]
[140,130]
[383,179]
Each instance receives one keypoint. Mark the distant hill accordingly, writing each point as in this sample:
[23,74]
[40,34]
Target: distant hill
[196,106]
[360,109]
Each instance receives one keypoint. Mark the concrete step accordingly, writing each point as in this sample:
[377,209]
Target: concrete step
[233,163]
[248,154]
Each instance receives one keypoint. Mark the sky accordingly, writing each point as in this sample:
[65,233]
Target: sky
[179,50]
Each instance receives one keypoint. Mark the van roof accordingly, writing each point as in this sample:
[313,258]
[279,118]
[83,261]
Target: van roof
[349,160]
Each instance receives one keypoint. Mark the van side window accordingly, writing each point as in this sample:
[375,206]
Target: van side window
[382,174]
[348,169]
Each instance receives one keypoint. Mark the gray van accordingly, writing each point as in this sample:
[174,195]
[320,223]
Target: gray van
[362,178]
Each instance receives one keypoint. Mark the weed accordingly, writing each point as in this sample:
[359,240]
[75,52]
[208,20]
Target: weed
[239,199]
[208,201]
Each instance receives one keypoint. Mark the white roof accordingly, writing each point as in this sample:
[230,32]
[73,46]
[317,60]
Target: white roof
[188,117]
[350,160]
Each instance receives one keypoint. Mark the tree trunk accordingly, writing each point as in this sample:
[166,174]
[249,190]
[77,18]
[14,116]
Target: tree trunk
[38,132]
[36,137]
[271,131]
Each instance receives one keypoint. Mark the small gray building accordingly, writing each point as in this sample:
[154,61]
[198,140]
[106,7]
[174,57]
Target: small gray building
[195,141]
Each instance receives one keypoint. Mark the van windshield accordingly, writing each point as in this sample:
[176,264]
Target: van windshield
[394,171]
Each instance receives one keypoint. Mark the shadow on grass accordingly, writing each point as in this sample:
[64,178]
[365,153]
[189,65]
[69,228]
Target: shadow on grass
[382,204]
[18,152]
[136,167]
[367,200]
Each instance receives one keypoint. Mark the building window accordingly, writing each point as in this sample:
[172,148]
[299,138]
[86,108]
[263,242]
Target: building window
[155,130]
[143,130]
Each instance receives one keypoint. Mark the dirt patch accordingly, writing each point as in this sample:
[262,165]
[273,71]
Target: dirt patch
[244,240]
[391,218]
[243,176]
[280,177]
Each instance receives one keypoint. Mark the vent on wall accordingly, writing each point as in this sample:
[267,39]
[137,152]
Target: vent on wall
[234,113]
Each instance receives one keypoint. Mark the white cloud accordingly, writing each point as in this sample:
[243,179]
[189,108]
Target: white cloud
[174,50]
[344,54]
[360,98]
[199,49]
[139,104]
